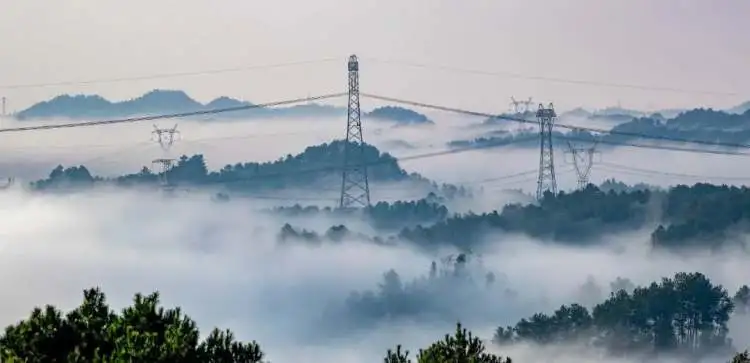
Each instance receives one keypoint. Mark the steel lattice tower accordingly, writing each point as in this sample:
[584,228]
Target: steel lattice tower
[165,138]
[546,181]
[583,161]
[355,189]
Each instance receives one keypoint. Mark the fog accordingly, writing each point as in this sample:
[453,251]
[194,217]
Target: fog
[222,262]
[117,149]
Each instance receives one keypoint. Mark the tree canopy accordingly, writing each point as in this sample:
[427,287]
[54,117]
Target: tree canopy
[142,332]
[686,313]
[315,164]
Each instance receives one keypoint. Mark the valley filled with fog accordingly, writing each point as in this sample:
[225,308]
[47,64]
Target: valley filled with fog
[331,285]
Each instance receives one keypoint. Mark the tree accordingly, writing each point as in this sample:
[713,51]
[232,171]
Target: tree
[743,357]
[684,314]
[397,357]
[142,332]
[461,347]
[742,300]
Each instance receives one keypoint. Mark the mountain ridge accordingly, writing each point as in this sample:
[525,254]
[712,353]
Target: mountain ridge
[82,107]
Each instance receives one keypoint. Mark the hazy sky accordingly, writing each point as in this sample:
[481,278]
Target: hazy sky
[683,44]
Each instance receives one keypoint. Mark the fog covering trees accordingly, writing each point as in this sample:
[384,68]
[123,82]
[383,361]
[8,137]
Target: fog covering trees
[315,163]
[683,217]
[698,217]
[685,314]
[649,320]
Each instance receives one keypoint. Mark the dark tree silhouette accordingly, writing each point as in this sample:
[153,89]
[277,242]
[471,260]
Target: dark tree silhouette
[686,314]
[462,346]
[142,332]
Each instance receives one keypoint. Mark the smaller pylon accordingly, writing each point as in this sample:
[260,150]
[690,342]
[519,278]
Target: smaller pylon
[583,161]
[516,106]
[165,137]
[162,166]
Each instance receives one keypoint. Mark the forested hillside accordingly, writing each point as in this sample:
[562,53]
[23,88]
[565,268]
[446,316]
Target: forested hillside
[701,216]
[703,125]
[315,164]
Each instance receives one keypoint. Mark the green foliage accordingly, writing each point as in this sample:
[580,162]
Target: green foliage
[577,217]
[685,314]
[60,177]
[315,164]
[698,216]
[743,357]
[462,347]
[702,216]
[397,357]
[382,215]
[620,187]
[142,332]
[742,300]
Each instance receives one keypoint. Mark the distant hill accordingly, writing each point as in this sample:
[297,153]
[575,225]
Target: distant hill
[741,108]
[81,107]
[316,165]
[492,121]
[576,112]
[160,101]
[617,114]
[610,111]
[400,115]
[609,115]
[699,124]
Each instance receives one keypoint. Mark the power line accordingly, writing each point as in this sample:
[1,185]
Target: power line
[564,126]
[551,79]
[658,147]
[499,178]
[170,115]
[333,198]
[164,75]
[332,168]
[198,140]
[666,173]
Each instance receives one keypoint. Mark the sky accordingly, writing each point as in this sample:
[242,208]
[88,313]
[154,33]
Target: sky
[688,45]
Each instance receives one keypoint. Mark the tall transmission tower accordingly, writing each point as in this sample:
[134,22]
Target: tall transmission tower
[355,189]
[583,161]
[546,181]
[4,111]
[165,138]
